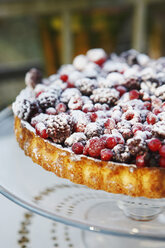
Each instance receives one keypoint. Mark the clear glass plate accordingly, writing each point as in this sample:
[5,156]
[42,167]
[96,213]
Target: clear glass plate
[30,186]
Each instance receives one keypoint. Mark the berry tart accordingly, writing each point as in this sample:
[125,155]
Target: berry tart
[99,121]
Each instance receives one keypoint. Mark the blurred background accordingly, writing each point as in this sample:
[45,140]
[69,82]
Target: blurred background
[48,33]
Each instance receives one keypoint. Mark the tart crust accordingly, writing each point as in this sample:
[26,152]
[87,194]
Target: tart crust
[108,176]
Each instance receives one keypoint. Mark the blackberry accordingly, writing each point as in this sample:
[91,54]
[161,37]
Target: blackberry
[121,153]
[125,129]
[86,85]
[48,99]
[59,127]
[137,145]
[132,83]
[26,109]
[105,95]
[68,94]
[93,129]
[33,77]
[130,56]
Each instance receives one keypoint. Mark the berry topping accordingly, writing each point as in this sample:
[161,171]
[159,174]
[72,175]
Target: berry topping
[95,146]
[154,144]
[93,129]
[111,142]
[64,77]
[133,94]
[109,124]
[48,99]
[60,108]
[93,117]
[121,89]
[106,154]
[33,77]
[104,95]
[51,111]
[140,161]
[86,85]
[41,130]
[162,151]
[77,148]
[75,103]
[151,118]
[162,162]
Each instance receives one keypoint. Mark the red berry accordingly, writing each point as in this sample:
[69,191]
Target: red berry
[93,117]
[147,105]
[87,109]
[41,130]
[109,124]
[111,142]
[51,111]
[75,103]
[70,85]
[78,148]
[121,89]
[100,61]
[120,140]
[154,144]
[95,147]
[140,161]
[85,151]
[106,154]
[162,162]
[64,77]
[151,118]
[156,103]
[39,93]
[162,151]
[129,116]
[133,94]
[61,107]
[137,127]
[156,111]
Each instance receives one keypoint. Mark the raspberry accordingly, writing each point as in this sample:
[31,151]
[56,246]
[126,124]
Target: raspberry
[100,61]
[154,144]
[162,162]
[51,111]
[93,117]
[64,77]
[77,148]
[147,105]
[151,118]
[88,108]
[133,94]
[41,130]
[70,85]
[121,89]
[137,127]
[162,151]
[95,147]
[75,103]
[111,142]
[61,107]
[109,124]
[156,111]
[106,154]
[140,161]
[129,116]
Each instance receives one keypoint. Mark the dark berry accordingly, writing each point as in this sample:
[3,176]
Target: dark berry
[106,154]
[121,89]
[77,148]
[162,151]
[111,142]
[33,77]
[151,118]
[154,144]
[162,162]
[61,107]
[133,94]
[140,161]
[95,147]
[64,77]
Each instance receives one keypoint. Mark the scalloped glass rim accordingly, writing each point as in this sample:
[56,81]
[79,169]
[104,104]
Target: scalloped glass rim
[7,114]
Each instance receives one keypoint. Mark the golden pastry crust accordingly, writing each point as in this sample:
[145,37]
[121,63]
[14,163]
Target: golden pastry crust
[108,176]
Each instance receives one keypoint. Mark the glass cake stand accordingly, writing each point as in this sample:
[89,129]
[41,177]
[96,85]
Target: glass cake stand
[43,193]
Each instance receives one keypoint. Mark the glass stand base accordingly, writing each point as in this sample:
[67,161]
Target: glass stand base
[139,211]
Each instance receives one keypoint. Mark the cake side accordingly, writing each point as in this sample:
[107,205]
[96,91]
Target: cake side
[101,175]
